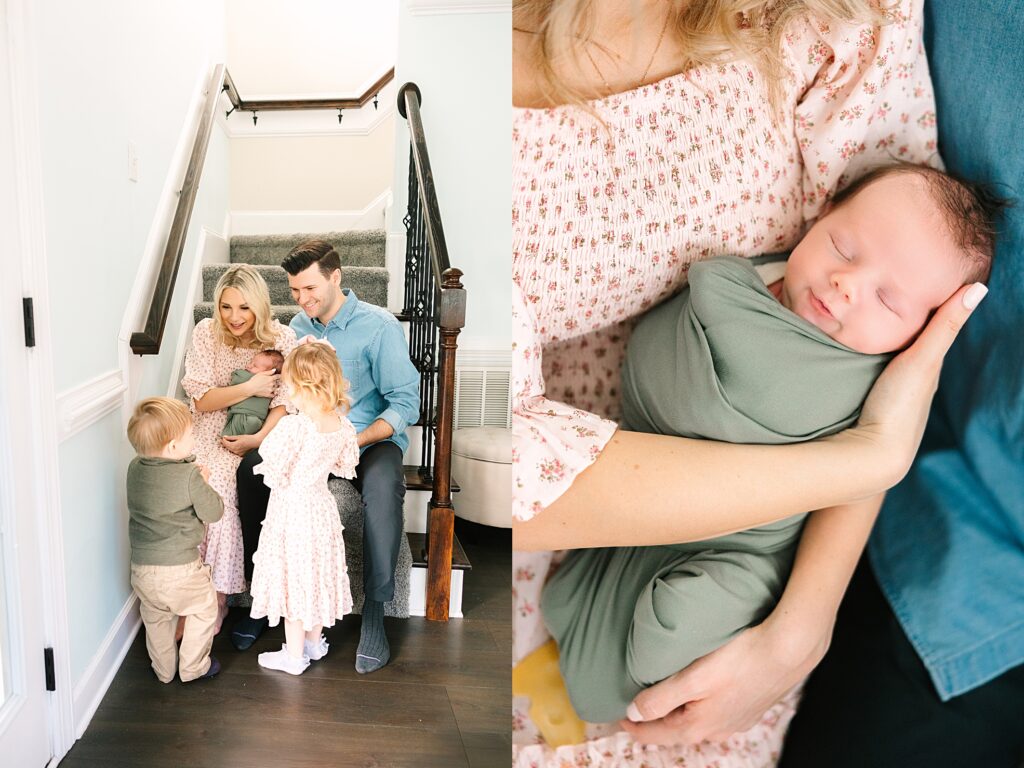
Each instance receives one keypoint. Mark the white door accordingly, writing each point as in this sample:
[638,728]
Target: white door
[24,737]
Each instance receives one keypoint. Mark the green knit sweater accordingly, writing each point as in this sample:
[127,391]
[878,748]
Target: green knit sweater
[168,502]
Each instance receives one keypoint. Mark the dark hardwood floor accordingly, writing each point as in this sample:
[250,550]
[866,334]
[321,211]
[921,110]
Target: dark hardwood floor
[444,699]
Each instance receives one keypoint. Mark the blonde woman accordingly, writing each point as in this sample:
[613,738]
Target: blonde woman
[649,135]
[240,328]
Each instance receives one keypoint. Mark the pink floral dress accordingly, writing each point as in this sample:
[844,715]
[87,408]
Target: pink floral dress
[300,571]
[208,364]
[605,222]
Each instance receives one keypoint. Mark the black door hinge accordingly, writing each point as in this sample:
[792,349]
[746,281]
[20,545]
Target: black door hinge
[51,677]
[30,321]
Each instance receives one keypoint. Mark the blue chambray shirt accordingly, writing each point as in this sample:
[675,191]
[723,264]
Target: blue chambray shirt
[948,548]
[374,357]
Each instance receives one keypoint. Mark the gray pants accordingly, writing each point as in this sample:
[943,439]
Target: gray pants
[625,618]
[380,480]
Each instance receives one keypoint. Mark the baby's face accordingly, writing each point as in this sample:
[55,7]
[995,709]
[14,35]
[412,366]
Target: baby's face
[870,271]
[260,364]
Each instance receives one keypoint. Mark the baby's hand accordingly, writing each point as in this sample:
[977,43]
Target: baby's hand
[205,472]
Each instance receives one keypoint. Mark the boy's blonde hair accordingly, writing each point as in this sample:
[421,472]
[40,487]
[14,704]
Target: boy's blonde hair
[314,371]
[156,422]
[248,282]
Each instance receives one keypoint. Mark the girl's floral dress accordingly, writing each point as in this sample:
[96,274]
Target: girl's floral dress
[606,219]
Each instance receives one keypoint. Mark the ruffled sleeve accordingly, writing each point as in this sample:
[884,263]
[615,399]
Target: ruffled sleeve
[345,466]
[285,343]
[278,451]
[867,99]
[200,364]
[554,442]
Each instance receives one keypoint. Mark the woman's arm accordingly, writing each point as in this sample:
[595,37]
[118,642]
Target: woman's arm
[219,398]
[655,489]
[730,689]
[242,444]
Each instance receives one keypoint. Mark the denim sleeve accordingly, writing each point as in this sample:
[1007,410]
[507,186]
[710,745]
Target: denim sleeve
[396,378]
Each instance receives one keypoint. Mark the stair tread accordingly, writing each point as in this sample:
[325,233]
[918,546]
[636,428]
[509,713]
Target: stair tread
[416,480]
[460,562]
[355,247]
[275,309]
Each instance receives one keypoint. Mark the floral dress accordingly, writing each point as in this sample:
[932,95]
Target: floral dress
[606,217]
[208,364]
[300,571]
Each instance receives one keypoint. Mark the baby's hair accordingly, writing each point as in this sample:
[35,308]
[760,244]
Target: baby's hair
[275,356]
[970,210]
[156,422]
[313,369]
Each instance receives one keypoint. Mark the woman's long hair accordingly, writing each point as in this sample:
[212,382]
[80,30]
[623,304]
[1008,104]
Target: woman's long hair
[251,285]
[707,31]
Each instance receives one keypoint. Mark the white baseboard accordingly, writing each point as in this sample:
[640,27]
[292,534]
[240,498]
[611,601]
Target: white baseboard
[418,594]
[370,216]
[98,676]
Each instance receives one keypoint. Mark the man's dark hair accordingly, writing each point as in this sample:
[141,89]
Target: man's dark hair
[971,211]
[318,252]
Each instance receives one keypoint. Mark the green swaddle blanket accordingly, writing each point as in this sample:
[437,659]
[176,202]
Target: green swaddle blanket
[248,416]
[722,360]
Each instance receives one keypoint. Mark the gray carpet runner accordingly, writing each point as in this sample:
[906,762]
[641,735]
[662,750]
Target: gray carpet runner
[362,270]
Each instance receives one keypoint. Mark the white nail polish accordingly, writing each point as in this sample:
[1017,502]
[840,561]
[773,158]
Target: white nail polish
[974,295]
[633,713]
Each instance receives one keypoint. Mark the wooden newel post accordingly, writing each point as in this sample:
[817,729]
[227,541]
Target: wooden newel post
[441,523]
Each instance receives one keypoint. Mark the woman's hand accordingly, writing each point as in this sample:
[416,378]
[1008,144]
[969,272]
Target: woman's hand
[264,383]
[240,444]
[730,689]
[893,417]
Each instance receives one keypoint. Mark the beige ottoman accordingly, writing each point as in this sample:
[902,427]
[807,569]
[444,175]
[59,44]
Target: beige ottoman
[482,466]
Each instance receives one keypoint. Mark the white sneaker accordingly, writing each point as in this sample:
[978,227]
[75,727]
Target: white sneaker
[283,661]
[316,651]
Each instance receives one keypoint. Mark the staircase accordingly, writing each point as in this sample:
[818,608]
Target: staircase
[362,270]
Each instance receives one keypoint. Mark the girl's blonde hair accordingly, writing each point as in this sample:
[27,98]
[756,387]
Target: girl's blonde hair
[253,288]
[707,31]
[314,371]
[156,422]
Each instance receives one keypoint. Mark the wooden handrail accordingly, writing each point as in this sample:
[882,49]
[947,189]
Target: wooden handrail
[269,105]
[147,341]
[449,320]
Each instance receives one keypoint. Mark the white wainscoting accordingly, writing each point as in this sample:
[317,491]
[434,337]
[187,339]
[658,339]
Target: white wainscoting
[87,403]
[100,673]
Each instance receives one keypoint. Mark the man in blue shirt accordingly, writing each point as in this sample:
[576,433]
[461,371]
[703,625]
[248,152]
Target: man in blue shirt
[384,392]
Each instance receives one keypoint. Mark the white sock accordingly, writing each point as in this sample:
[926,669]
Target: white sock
[316,651]
[283,661]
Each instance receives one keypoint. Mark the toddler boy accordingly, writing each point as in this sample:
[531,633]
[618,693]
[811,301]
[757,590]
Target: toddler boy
[169,500]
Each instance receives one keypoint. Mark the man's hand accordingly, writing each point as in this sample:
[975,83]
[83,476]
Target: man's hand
[379,430]
[730,689]
[240,444]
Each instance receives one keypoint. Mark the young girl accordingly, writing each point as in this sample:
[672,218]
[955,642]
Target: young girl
[300,569]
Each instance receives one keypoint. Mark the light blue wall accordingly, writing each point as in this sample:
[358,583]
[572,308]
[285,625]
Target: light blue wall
[462,64]
[126,74]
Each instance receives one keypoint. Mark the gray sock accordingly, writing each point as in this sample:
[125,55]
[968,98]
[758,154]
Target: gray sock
[373,651]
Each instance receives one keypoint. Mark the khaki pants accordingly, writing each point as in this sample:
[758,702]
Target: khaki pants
[167,592]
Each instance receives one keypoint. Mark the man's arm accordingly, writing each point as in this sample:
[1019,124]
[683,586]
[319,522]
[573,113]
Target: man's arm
[398,382]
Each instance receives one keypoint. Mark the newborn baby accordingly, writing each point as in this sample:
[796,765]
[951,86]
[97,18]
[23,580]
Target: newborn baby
[247,416]
[732,359]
